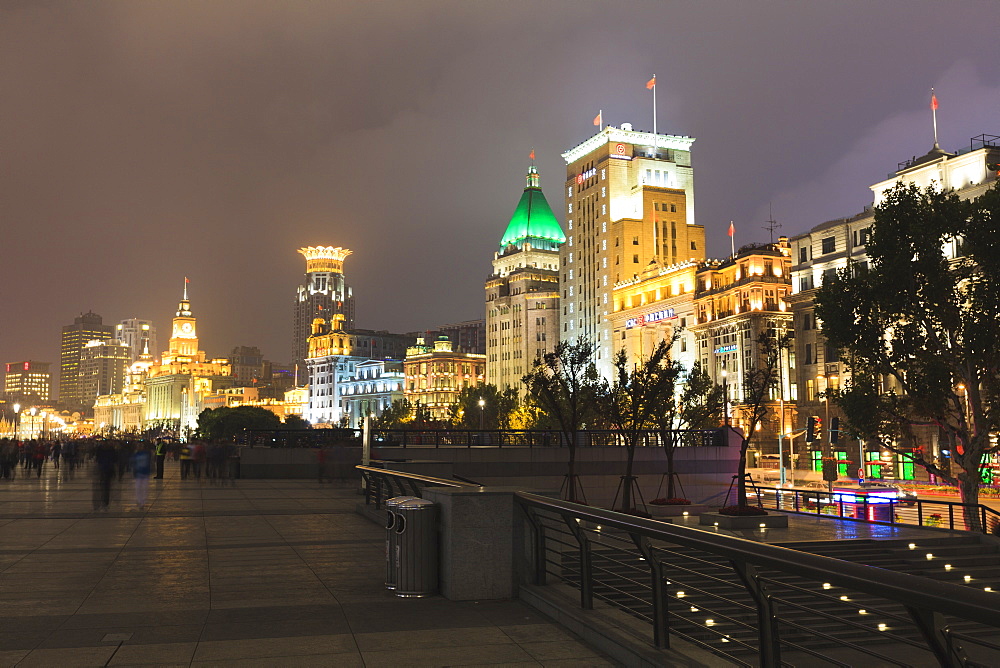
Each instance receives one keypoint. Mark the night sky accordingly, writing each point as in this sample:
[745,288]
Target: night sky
[141,142]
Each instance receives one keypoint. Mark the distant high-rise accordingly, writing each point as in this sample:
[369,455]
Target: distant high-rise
[629,202]
[140,335]
[522,295]
[86,327]
[28,383]
[324,294]
[102,369]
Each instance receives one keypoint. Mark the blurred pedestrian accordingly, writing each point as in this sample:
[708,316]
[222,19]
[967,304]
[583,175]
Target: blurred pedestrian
[185,460]
[142,462]
[105,460]
[161,455]
[198,458]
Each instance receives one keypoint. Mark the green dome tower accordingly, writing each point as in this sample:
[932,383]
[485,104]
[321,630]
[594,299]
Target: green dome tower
[533,221]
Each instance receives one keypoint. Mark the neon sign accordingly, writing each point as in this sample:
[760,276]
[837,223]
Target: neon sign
[656,316]
[731,348]
[583,176]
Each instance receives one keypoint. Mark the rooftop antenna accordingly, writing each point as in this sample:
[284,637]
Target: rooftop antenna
[772,224]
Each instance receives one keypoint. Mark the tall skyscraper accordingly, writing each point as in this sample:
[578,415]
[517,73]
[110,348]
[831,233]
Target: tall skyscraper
[86,327]
[629,200]
[140,335]
[324,294]
[522,295]
[102,369]
[28,383]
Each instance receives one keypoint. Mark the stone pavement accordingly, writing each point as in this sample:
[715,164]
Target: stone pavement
[261,573]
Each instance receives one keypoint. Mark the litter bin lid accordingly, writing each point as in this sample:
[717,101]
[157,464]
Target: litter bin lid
[416,504]
[396,500]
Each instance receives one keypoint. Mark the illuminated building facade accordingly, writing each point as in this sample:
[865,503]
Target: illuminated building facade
[139,335]
[85,328]
[292,403]
[102,369]
[435,375]
[522,294]
[331,365]
[28,383]
[176,386]
[371,389]
[125,412]
[629,201]
[648,308]
[832,245]
[735,301]
[324,294]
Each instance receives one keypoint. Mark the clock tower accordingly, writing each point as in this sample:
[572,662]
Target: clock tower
[184,337]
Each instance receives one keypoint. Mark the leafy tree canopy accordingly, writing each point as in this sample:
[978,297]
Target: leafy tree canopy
[225,423]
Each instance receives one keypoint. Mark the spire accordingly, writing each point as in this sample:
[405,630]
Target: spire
[533,220]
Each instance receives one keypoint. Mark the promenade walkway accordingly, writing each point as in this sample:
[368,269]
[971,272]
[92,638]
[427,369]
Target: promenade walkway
[262,573]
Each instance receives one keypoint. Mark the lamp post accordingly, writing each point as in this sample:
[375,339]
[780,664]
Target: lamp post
[725,398]
[17,421]
[34,425]
[482,413]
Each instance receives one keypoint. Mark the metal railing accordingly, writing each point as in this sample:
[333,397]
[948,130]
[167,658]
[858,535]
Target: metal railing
[749,602]
[506,438]
[844,504]
[754,603]
[383,484]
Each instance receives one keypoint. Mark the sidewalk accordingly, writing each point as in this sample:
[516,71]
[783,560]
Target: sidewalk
[263,573]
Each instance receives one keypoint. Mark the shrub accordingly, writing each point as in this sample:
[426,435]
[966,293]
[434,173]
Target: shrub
[676,501]
[746,511]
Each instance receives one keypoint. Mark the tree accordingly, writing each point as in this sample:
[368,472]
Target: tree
[700,406]
[395,416]
[637,394]
[296,422]
[223,424]
[759,380]
[919,330]
[495,413]
[564,385]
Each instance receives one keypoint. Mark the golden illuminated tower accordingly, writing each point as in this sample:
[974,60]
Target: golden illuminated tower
[629,202]
[324,294]
[184,336]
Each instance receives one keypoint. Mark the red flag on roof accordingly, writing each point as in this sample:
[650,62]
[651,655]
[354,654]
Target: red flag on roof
[597,119]
[934,104]
[651,83]
[532,154]
[732,230]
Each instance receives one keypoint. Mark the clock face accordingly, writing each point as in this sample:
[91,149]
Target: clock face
[187,327]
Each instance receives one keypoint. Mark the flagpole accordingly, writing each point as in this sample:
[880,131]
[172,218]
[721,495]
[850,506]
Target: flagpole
[600,115]
[654,107]
[732,238]
[934,115]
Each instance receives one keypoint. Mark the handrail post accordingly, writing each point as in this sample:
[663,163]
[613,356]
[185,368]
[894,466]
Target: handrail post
[935,632]
[920,512]
[586,572]
[767,625]
[661,621]
[541,570]
[951,516]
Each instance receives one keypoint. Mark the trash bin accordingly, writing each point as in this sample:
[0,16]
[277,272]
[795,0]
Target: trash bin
[416,549]
[390,538]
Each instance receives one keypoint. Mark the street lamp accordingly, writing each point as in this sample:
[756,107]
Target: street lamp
[34,426]
[17,421]
[482,413]
[725,398]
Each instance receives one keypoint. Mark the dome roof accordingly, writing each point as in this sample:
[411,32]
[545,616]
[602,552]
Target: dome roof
[533,220]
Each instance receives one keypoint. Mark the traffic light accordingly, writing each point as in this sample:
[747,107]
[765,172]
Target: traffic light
[814,428]
[834,429]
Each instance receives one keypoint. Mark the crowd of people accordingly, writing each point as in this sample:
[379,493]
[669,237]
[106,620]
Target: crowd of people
[111,460]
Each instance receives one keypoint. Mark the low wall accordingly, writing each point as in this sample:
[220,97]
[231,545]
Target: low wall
[705,471]
[298,462]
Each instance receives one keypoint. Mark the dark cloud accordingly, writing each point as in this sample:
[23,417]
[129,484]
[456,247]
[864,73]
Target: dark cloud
[142,142]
